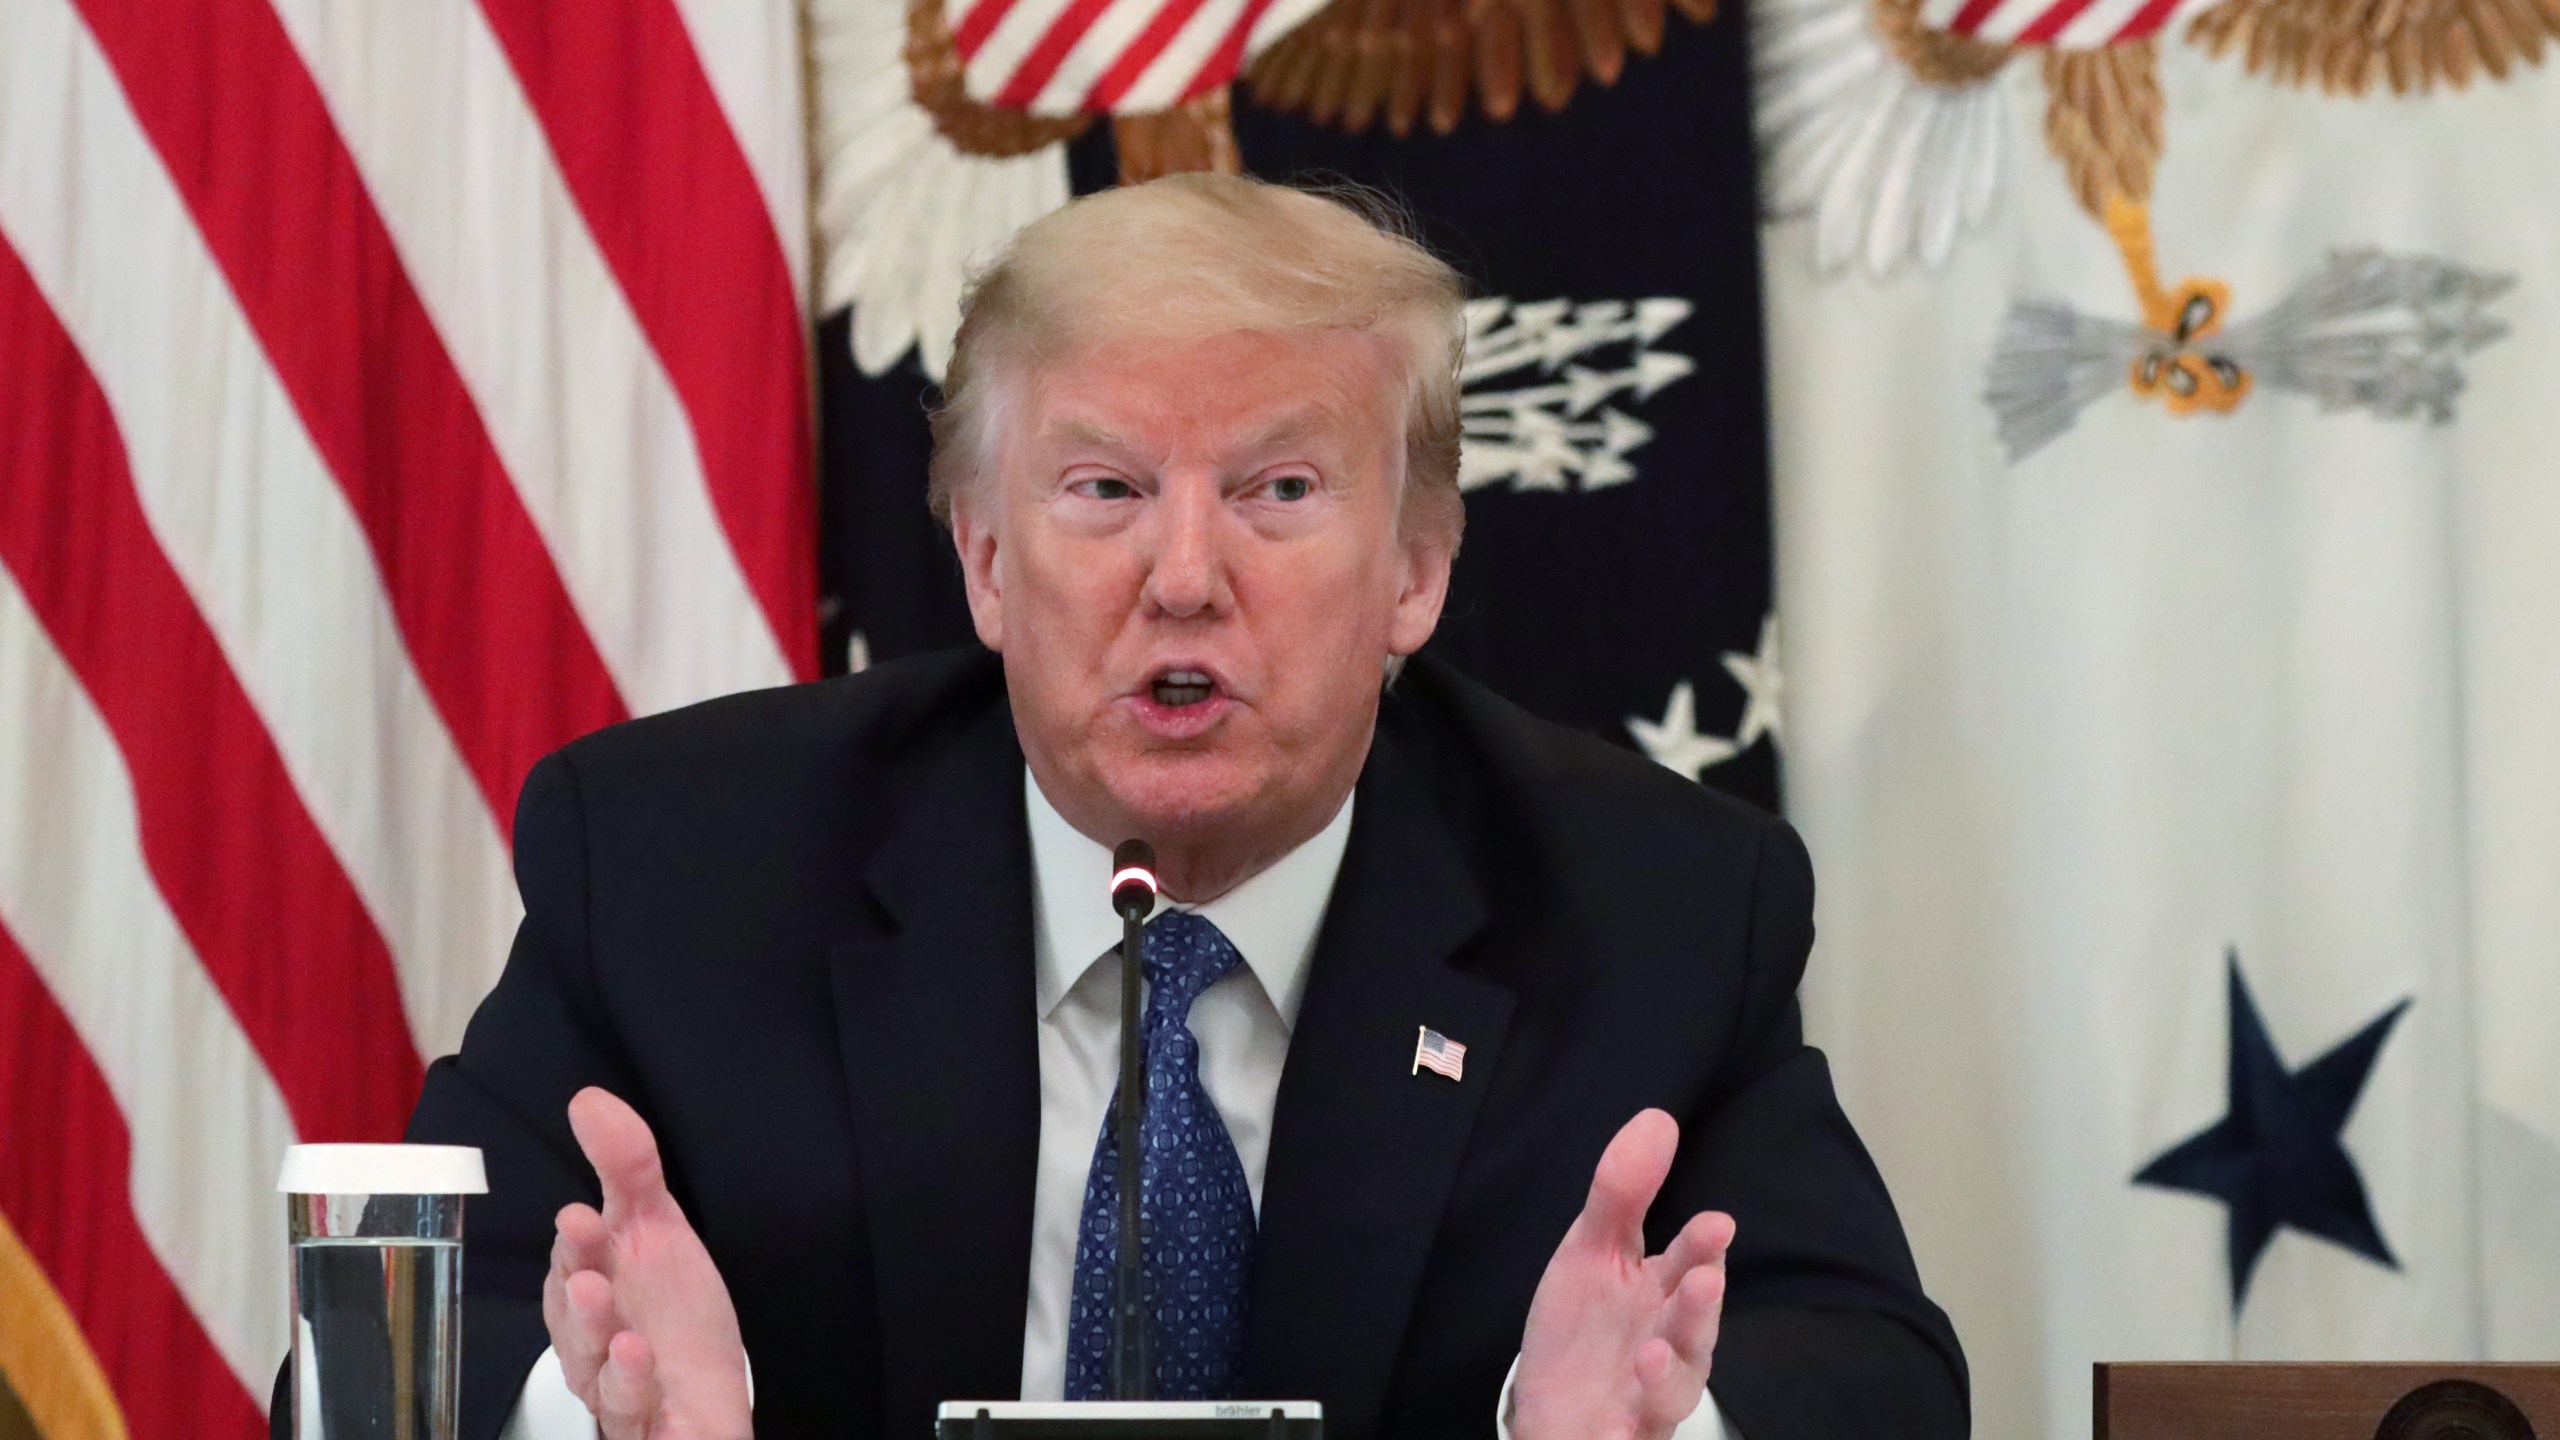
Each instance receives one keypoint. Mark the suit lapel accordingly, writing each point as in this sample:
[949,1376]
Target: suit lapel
[937,1014]
[1362,1151]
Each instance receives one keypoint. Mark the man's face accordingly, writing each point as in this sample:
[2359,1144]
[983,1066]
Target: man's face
[1189,555]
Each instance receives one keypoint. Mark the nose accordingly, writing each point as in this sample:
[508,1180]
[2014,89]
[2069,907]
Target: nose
[1188,577]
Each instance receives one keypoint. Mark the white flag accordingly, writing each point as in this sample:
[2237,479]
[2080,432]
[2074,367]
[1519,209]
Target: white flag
[2175,701]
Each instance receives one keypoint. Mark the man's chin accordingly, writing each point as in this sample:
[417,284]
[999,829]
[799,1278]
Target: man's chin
[1185,796]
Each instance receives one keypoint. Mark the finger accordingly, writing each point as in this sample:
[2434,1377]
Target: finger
[1667,1388]
[1703,1241]
[1691,1317]
[589,1325]
[618,1144]
[1630,1173]
[577,1243]
[627,1389]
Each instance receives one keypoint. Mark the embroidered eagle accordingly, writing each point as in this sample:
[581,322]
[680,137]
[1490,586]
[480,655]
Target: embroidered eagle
[942,125]
[1880,121]
[1882,125]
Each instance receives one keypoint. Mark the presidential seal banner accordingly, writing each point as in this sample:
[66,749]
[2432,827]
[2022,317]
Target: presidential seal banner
[2163,447]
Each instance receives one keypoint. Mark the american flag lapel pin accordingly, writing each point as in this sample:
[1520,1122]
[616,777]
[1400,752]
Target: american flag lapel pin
[1437,1052]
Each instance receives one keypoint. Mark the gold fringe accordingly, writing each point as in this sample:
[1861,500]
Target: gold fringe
[47,1360]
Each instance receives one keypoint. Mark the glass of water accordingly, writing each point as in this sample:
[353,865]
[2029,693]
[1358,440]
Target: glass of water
[377,1288]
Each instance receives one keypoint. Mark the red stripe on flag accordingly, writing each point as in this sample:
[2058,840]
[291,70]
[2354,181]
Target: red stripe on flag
[246,872]
[1125,71]
[676,210]
[978,24]
[65,1184]
[2145,21]
[1032,76]
[2044,27]
[1229,56]
[1969,19]
[249,142]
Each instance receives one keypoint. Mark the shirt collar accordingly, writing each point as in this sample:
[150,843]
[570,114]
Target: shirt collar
[1271,918]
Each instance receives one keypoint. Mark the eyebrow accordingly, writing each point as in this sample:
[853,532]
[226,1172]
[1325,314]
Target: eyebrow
[1289,429]
[1090,434]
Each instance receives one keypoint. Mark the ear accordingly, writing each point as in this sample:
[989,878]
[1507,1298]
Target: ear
[973,534]
[1425,587]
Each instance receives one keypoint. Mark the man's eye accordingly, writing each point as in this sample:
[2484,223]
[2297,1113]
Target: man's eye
[1110,488]
[1292,487]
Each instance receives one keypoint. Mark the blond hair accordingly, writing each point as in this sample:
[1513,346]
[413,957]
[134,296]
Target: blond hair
[1193,255]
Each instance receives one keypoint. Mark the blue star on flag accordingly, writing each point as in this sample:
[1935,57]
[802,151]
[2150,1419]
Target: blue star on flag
[2276,1158]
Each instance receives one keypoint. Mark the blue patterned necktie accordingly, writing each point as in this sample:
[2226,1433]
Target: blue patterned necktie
[1196,1212]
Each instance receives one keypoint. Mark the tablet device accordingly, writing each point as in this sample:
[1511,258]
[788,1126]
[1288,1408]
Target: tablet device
[1129,1420]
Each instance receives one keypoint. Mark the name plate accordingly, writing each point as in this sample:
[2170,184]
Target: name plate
[2327,1401]
[1129,1420]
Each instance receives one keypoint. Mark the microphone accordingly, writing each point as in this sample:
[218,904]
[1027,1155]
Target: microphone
[1133,895]
[1133,879]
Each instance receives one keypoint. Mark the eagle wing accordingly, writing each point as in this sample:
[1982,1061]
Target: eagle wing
[1888,136]
[915,183]
[2103,120]
[1412,62]
[2346,46]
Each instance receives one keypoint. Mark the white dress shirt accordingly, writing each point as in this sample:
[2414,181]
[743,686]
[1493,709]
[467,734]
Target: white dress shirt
[1242,1023]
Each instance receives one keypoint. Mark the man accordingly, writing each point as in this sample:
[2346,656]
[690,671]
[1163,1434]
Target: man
[812,992]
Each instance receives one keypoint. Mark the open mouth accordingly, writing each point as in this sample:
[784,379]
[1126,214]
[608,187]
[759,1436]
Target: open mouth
[1175,689]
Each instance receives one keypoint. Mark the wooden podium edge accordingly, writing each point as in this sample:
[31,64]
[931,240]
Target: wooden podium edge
[2340,1400]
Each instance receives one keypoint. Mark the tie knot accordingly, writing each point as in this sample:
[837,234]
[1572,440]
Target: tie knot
[1185,954]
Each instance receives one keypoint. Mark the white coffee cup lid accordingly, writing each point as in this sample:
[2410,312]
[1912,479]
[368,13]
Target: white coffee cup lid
[383,1170]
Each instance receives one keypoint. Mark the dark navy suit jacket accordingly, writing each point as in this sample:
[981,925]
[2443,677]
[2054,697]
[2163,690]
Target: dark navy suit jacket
[794,929]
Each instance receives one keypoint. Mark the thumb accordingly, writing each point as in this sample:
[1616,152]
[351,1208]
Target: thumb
[1630,1174]
[618,1144]
[1626,1179]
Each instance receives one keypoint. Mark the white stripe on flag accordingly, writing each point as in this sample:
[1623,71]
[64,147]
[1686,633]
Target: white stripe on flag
[583,416]
[1093,53]
[208,1126]
[2097,26]
[1174,70]
[1010,44]
[250,518]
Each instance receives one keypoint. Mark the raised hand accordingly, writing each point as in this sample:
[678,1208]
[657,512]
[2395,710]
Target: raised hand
[1618,1346]
[645,1330]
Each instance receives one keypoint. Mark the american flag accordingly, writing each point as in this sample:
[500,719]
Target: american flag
[1435,1051]
[388,394]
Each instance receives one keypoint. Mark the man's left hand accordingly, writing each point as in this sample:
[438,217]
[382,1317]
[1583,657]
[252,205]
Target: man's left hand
[1618,1345]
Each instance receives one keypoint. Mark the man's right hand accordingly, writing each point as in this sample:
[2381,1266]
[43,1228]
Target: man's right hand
[645,1330]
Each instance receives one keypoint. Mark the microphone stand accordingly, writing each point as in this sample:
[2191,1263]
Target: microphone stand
[1131,1410]
[1132,1374]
